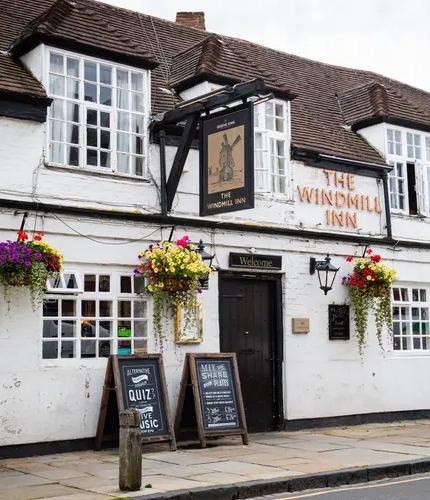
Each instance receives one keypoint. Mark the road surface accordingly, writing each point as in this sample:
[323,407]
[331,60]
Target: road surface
[410,488]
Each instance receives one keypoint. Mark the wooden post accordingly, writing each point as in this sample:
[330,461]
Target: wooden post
[130,452]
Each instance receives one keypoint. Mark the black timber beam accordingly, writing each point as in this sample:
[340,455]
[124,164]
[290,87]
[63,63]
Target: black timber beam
[181,158]
[207,102]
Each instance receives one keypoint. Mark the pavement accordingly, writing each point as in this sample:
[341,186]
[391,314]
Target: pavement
[271,463]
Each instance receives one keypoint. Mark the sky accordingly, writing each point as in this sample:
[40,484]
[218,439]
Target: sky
[391,37]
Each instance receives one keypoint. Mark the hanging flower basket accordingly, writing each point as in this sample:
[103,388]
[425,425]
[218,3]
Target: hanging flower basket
[28,264]
[176,284]
[174,272]
[369,288]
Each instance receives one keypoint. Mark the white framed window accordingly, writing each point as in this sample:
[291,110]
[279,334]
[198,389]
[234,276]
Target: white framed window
[98,119]
[397,185]
[272,148]
[427,144]
[411,327]
[394,140]
[423,180]
[413,142]
[68,282]
[109,317]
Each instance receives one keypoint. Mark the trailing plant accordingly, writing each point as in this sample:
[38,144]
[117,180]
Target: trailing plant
[28,263]
[173,270]
[369,288]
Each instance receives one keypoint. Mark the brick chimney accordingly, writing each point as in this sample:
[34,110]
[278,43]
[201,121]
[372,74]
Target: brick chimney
[192,19]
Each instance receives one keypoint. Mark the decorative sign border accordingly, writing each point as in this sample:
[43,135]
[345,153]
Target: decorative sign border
[227,161]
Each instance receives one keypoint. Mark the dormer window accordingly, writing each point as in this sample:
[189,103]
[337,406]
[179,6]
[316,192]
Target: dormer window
[98,119]
[272,148]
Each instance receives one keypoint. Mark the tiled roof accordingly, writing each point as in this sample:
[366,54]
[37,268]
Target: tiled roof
[328,97]
[362,104]
[16,79]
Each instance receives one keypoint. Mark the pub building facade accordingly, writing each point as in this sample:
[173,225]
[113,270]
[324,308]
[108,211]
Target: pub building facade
[341,164]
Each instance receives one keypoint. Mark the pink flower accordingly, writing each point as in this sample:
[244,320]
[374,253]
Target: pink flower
[349,259]
[183,242]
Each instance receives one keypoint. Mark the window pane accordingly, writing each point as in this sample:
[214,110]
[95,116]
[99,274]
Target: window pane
[73,114]
[56,85]
[50,308]
[137,82]
[123,142]
[124,309]
[88,328]
[72,156]
[68,349]
[89,282]
[140,346]
[105,329]
[50,350]
[68,307]
[137,124]
[123,99]
[106,96]
[104,159]
[140,309]
[137,168]
[279,125]
[57,153]
[125,284]
[72,134]
[105,74]
[105,348]
[73,67]
[56,110]
[50,328]
[279,110]
[56,63]
[90,92]
[141,329]
[137,102]
[105,139]
[88,308]
[91,117]
[390,148]
[139,284]
[124,121]
[92,137]
[106,309]
[122,163]
[104,119]
[90,71]
[57,131]
[72,88]
[137,144]
[104,283]
[88,348]
[122,79]
[68,328]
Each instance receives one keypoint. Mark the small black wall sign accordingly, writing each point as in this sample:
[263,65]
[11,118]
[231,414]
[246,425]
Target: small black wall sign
[248,261]
[136,382]
[338,322]
[227,161]
[210,398]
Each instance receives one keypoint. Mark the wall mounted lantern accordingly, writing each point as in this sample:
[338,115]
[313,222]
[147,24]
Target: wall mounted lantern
[326,272]
[207,259]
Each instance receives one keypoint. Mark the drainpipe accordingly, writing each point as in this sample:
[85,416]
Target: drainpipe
[387,205]
[163,183]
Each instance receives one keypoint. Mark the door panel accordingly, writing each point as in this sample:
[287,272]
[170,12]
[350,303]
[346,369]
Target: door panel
[247,321]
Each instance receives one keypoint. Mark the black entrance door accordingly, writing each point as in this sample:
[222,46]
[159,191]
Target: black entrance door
[247,327]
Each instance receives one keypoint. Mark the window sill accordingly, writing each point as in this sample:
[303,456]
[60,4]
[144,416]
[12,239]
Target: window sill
[410,354]
[96,173]
[404,215]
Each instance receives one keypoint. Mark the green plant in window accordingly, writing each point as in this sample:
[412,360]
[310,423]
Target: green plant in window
[174,271]
[28,263]
[369,287]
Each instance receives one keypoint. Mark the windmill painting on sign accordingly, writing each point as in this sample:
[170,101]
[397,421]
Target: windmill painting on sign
[227,161]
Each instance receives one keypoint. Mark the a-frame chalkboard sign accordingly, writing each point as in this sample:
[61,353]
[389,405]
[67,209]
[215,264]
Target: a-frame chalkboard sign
[210,398]
[136,381]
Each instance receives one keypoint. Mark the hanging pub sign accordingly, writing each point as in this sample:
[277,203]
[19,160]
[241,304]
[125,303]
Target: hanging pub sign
[227,161]
[210,398]
[138,382]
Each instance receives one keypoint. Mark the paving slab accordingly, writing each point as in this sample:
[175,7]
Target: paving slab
[36,492]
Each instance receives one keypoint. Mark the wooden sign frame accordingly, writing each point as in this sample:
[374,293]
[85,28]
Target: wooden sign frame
[112,396]
[190,379]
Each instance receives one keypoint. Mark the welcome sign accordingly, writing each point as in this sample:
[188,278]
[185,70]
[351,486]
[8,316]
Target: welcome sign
[268,262]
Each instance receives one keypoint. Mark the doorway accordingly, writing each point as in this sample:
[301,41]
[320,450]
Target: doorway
[250,317]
